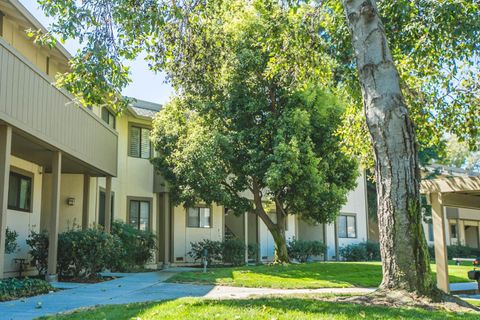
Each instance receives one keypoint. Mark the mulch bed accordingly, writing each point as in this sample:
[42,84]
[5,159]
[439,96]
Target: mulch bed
[87,280]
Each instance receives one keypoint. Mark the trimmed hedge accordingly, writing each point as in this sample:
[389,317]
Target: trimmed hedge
[138,246]
[13,288]
[230,252]
[457,251]
[365,251]
[303,250]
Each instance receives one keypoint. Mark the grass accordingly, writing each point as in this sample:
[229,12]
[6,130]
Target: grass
[261,308]
[296,276]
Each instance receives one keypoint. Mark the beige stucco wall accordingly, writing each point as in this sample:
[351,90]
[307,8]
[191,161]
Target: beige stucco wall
[23,222]
[183,236]
[15,35]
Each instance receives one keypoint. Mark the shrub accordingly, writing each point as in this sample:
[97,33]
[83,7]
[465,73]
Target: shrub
[303,250]
[138,246]
[253,250]
[38,243]
[17,288]
[365,251]
[84,253]
[233,252]
[457,251]
[10,240]
[214,249]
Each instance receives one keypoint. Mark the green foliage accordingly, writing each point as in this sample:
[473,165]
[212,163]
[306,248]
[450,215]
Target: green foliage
[138,246]
[84,253]
[303,250]
[38,243]
[10,240]
[365,251]
[13,288]
[233,252]
[457,251]
[214,251]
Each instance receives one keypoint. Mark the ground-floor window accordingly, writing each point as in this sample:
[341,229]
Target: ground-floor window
[139,213]
[20,192]
[199,217]
[347,226]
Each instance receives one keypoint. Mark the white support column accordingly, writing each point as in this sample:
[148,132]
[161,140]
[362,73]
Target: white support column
[441,258]
[108,204]
[245,228]
[54,217]
[86,202]
[5,151]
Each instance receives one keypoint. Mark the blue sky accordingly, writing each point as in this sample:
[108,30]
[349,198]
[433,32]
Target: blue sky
[146,85]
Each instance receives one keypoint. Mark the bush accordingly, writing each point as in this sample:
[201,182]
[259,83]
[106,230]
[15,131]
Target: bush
[302,250]
[233,252]
[138,246]
[17,288]
[214,249]
[457,251]
[38,243]
[10,241]
[84,253]
[365,251]
[253,250]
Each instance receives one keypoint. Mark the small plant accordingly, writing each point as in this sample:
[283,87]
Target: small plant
[17,288]
[214,249]
[84,253]
[138,246]
[10,241]
[303,250]
[38,243]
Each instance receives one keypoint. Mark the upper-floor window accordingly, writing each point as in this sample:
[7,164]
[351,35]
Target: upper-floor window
[108,117]
[347,226]
[1,23]
[20,192]
[199,217]
[139,142]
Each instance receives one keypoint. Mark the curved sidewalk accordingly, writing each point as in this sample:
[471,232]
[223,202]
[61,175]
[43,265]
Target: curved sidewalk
[136,287]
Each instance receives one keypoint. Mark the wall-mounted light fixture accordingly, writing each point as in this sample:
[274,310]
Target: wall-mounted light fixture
[71,201]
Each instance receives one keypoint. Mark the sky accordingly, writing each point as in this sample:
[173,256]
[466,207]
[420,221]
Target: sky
[146,85]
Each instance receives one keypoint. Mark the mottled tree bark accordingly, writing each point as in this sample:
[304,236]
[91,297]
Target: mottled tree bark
[277,229]
[402,242]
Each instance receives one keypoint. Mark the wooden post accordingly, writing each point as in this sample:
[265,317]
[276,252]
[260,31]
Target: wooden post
[54,217]
[5,151]
[86,202]
[245,224]
[108,204]
[441,258]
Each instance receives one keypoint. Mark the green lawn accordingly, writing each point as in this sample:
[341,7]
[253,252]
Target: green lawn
[309,275]
[261,308]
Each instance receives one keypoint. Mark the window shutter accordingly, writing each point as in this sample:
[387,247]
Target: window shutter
[145,143]
[134,148]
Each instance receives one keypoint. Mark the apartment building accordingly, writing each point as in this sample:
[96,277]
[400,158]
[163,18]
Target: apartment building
[65,166]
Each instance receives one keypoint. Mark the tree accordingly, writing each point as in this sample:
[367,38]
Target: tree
[431,43]
[252,136]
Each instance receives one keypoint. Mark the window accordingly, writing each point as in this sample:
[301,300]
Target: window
[430,231]
[347,226]
[139,214]
[1,23]
[20,192]
[453,231]
[108,117]
[139,142]
[198,217]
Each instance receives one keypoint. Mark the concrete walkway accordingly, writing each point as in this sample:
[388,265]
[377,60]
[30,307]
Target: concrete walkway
[138,287]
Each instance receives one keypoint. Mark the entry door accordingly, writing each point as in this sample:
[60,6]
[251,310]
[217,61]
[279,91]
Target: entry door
[101,208]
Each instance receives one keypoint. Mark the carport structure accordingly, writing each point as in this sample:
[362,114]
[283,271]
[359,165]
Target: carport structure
[455,191]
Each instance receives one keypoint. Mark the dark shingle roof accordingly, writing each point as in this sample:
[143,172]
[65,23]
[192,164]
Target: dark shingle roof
[145,109]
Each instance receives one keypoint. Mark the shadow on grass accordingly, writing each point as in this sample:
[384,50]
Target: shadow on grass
[262,308]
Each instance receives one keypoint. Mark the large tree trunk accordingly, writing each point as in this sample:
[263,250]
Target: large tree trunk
[404,252]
